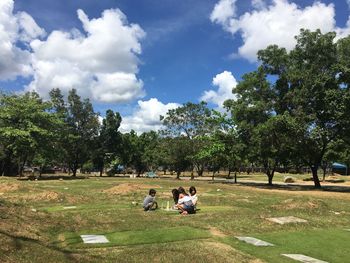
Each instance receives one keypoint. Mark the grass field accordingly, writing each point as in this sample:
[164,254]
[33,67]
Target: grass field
[37,226]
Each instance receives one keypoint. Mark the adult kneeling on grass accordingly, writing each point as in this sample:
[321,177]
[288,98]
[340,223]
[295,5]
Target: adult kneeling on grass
[185,204]
[149,203]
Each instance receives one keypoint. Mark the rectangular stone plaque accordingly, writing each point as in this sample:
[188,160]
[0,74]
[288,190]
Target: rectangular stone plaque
[94,239]
[255,241]
[286,220]
[69,207]
[303,258]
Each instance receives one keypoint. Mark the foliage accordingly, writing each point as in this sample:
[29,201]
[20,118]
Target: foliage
[26,128]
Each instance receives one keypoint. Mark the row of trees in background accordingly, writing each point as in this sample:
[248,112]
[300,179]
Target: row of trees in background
[293,111]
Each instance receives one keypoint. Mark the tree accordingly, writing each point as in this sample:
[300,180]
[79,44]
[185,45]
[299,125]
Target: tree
[27,128]
[309,92]
[108,143]
[224,132]
[177,149]
[80,130]
[189,120]
[261,125]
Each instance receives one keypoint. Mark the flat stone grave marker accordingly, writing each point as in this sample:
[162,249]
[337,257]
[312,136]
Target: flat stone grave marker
[69,207]
[303,258]
[286,220]
[255,241]
[94,239]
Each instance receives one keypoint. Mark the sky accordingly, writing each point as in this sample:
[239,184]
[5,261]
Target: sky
[144,57]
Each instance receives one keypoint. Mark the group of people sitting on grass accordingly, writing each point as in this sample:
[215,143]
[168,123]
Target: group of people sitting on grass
[185,203]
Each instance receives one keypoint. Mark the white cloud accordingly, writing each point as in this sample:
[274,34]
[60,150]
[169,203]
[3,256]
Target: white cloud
[14,60]
[223,11]
[147,116]
[101,63]
[277,23]
[225,82]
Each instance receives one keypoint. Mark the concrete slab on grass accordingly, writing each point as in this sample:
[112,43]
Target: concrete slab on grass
[255,241]
[94,239]
[286,220]
[69,207]
[303,258]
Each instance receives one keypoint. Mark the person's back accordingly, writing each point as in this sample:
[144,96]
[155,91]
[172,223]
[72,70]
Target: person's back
[185,204]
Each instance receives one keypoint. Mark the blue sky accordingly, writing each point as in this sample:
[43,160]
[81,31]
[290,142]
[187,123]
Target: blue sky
[143,57]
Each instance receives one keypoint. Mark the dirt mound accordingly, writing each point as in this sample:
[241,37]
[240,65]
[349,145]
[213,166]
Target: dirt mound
[41,196]
[216,232]
[128,187]
[290,204]
[8,187]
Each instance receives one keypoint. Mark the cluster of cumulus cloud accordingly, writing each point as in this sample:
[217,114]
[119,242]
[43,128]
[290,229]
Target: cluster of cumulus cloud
[102,61]
[274,22]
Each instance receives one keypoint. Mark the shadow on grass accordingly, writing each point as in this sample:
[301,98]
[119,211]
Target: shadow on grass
[19,240]
[138,237]
[293,187]
[51,177]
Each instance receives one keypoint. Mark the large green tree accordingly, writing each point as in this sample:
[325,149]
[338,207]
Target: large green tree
[27,128]
[309,93]
[108,143]
[189,120]
[80,130]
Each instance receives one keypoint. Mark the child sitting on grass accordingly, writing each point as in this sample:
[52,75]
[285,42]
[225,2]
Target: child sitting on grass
[149,203]
[194,197]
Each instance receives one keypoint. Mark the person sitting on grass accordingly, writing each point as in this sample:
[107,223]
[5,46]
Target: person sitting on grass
[184,203]
[175,193]
[193,195]
[149,203]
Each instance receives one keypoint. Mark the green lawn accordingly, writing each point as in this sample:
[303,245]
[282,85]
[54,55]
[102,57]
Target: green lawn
[35,226]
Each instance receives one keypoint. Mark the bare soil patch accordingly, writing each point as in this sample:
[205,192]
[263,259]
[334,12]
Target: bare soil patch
[290,204]
[8,187]
[216,232]
[41,196]
[128,187]
[223,249]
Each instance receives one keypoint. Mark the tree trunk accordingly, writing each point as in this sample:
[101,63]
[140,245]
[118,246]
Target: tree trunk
[235,176]
[229,174]
[178,175]
[324,173]
[270,174]
[192,175]
[270,179]
[213,176]
[317,183]
[2,166]
[101,171]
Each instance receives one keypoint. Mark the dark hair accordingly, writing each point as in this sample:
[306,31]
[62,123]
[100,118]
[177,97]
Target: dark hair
[182,190]
[192,190]
[175,193]
[152,191]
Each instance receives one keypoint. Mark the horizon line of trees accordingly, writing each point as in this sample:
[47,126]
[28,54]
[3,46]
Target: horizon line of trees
[293,111]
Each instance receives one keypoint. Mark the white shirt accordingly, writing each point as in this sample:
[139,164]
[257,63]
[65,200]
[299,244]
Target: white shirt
[184,199]
[194,199]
